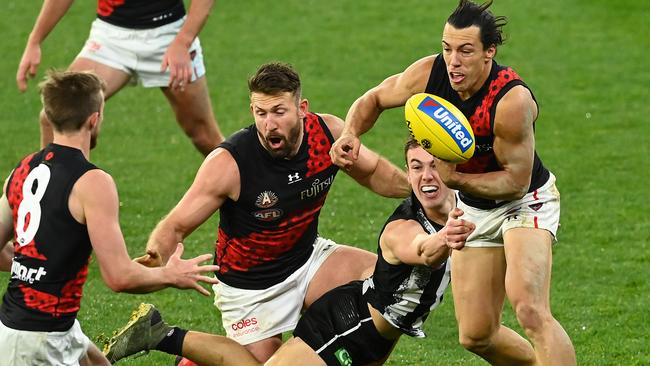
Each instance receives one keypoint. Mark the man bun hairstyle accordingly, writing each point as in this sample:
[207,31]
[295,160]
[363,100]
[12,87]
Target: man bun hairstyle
[468,14]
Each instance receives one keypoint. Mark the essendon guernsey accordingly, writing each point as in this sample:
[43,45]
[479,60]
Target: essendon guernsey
[480,109]
[51,249]
[140,14]
[269,232]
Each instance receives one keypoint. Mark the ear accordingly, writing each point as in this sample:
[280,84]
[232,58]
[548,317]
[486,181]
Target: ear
[303,108]
[490,53]
[93,120]
[408,174]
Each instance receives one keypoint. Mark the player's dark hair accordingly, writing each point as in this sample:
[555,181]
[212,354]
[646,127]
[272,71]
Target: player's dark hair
[411,143]
[69,98]
[468,14]
[275,78]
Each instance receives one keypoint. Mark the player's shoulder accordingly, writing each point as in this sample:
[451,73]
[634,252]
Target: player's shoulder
[421,67]
[518,99]
[220,166]
[333,123]
[94,181]
[413,79]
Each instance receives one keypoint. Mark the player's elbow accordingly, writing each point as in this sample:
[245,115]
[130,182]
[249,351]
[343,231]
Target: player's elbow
[518,190]
[119,280]
[117,283]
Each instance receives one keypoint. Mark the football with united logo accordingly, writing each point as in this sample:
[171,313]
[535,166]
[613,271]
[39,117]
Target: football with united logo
[439,127]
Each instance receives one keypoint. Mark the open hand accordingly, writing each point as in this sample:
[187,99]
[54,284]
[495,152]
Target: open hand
[187,273]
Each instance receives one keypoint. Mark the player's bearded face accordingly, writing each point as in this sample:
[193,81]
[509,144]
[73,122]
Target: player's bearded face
[279,123]
[468,63]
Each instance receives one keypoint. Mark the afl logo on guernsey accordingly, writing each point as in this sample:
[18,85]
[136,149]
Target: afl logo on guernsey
[266,199]
[448,122]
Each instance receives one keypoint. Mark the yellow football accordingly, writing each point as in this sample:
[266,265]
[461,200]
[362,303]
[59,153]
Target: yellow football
[439,127]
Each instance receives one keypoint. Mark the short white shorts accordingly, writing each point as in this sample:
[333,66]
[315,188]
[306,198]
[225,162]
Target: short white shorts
[138,52]
[25,348]
[539,209]
[249,316]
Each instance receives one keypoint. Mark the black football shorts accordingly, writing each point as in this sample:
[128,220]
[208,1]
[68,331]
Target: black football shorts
[339,328]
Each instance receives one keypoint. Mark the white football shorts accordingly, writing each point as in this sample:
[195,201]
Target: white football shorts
[138,52]
[249,316]
[539,209]
[26,348]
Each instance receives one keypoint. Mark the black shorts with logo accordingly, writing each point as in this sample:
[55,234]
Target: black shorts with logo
[338,326]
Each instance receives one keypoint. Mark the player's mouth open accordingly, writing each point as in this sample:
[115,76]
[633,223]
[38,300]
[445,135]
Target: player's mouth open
[429,189]
[275,141]
[456,77]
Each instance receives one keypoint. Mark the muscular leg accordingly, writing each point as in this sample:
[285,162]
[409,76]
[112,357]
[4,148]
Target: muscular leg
[115,80]
[265,348]
[344,265]
[528,282]
[194,114]
[215,350]
[295,352]
[478,287]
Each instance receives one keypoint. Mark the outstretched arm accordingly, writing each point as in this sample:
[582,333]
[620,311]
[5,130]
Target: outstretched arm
[372,170]
[216,181]
[51,12]
[177,57]
[95,196]
[392,92]
[405,241]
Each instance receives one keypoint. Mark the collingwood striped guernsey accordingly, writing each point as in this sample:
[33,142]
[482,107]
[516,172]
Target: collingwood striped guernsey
[405,294]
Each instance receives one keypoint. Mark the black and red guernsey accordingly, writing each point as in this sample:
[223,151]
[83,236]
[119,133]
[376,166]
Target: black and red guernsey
[480,109]
[51,249]
[268,233]
[140,14]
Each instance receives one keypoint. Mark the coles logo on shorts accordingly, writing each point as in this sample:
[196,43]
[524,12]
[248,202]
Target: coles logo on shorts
[245,326]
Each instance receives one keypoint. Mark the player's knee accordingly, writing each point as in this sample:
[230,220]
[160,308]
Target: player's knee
[532,317]
[474,344]
[476,338]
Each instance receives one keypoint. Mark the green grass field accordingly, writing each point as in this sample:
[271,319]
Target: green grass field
[584,59]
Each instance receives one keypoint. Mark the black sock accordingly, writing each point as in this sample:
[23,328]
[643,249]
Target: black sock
[173,342]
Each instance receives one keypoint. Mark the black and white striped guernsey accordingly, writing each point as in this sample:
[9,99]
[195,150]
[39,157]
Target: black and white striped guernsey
[405,294]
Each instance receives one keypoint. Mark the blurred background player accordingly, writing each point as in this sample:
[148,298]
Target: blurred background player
[269,182]
[151,42]
[504,189]
[358,323]
[58,207]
